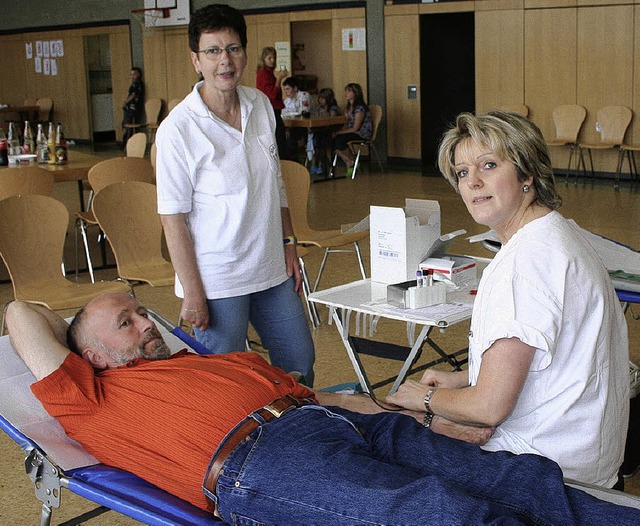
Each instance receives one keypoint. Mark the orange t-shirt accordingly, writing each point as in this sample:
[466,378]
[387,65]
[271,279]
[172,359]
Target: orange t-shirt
[162,420]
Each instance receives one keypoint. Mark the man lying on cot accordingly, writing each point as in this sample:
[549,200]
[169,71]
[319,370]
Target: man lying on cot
[265,448]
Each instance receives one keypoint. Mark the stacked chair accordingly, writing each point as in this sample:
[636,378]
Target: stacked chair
[101,175]
[33,230]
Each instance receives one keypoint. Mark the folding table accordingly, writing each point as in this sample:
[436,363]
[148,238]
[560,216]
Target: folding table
[366,299]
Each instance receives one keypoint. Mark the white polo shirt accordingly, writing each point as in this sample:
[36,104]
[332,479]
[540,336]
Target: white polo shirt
[230,186]
[549,288]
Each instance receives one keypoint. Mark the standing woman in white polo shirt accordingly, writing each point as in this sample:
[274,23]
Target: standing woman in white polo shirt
[548,349]
[223,205]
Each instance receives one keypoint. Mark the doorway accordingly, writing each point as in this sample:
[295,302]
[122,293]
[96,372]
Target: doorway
[100,85]
[447,74]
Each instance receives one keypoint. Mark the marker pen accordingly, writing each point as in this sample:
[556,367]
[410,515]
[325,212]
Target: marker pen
[429,277]
[419,279]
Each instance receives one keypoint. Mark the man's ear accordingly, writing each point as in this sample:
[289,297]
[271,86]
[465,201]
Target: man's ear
[95,358]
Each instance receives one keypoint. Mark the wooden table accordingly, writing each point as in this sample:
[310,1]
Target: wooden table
[24,112]
[316,124]
[313,123]
[76,169]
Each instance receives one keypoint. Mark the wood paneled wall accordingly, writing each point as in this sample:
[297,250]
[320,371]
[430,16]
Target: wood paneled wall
[542,53]
[68,89]
[169,72]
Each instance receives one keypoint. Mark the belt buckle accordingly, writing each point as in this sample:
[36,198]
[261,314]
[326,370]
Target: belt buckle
[278,413]
[293,403]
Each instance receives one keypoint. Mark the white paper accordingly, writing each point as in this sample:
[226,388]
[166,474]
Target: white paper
[46,63]
[283,55]
[28,48]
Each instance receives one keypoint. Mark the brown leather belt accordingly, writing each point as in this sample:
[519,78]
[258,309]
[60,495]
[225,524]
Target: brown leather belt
[275,409]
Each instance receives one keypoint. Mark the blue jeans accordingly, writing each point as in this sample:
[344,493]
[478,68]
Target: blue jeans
[277,315]
[328,466]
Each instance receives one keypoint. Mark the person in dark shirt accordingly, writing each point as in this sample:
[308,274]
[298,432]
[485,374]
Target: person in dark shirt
[133,106]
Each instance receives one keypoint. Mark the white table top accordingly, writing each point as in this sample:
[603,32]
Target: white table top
[369,297]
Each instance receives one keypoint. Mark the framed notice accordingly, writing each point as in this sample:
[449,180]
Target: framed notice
[354,39]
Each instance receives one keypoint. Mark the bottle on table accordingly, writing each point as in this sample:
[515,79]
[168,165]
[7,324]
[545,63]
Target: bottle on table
[61,146]
[51,144]
[28,144]
[42,146]
[13,142]
[4,153]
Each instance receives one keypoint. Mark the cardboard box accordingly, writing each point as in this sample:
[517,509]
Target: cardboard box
[401,238]
[461,270]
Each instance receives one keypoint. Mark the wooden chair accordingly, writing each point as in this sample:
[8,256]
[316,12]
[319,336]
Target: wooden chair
[25,180]
[628,151]
[297,182]
[137,145]
[568,119]
[152,109]
[172,104]
[45,106]
[613,122]
[127,214]
[306,287]
[357,146]
[33,229]
[100,175]
[153,154]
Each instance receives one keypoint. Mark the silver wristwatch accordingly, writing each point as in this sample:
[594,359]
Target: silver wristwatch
[428,417]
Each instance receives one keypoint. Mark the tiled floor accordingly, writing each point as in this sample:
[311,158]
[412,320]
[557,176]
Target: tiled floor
[596,206]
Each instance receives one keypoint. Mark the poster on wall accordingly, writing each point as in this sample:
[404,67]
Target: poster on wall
[354,39]
[46,63]
[38,64]
[28,48]
[54,67]
[283,55]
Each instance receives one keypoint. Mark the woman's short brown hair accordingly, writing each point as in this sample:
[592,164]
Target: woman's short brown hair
[511,137]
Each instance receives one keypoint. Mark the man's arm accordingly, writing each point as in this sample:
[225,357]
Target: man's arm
[362,403]
[38,336]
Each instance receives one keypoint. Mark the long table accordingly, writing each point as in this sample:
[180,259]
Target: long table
[25,112]
[76,169]
[315,124]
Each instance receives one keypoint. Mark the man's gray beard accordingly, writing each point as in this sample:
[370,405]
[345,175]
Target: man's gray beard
[160,351]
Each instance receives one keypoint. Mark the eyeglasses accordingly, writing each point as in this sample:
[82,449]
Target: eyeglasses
[214,53]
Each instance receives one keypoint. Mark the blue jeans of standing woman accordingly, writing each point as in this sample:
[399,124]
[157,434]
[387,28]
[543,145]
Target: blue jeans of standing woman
[329,466]
[277,315]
